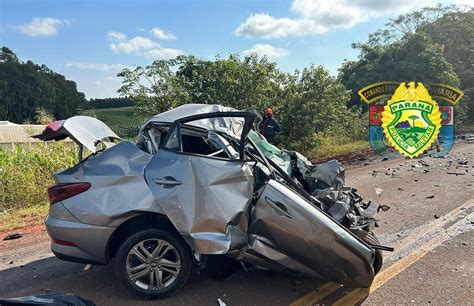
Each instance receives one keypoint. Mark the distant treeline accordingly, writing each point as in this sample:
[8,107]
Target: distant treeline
[27,89]
[108,103]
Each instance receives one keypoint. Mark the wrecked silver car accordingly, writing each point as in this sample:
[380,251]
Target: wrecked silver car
[201,183]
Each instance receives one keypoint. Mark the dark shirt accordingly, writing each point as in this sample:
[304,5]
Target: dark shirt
[269,127]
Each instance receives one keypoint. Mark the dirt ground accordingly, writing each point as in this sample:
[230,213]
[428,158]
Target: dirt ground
[429,223]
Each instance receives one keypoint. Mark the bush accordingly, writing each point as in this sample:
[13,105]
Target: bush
[26,173]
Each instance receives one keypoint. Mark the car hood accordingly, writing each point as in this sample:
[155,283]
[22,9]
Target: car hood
[84,130]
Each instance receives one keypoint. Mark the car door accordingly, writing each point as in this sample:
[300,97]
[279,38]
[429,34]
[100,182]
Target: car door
[289,232]
[206,197]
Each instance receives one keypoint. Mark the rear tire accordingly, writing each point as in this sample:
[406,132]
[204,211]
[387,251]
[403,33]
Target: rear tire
[378,260]
[153,263]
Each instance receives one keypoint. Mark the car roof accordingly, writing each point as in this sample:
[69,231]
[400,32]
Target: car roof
[230,125]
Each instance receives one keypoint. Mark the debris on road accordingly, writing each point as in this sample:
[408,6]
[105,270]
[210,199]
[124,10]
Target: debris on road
[221,303]
[49,299]
[13,236]
[88,267]
[423,163]
[430,197]
[456,173]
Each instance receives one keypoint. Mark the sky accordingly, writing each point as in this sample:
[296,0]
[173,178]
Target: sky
[91,41]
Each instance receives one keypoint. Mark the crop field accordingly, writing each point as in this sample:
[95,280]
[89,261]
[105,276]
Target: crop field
[122,120]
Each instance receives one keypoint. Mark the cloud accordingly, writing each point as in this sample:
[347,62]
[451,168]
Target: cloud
[163,53]
[266,50]
[161,34]
[95,66]
[134,45]
[139,45]
[116,36]
[42,26]
[320,16]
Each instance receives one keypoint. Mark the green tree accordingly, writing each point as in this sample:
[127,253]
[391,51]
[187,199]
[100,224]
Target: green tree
[409,23]
[450,29]
[108,103]
[454,34]
[236,82]
[414,57]
[306,103]
[315,106]
[25,87]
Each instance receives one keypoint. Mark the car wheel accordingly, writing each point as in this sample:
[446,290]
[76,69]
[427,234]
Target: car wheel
[378,261]
[153,263]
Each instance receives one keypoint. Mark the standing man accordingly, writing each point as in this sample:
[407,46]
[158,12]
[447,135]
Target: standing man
[269,127]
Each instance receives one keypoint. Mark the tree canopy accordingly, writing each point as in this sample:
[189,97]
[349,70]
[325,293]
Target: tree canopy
[109,102]
[26,87]
[306,102]
[454,34]
[413,56]
[433,44]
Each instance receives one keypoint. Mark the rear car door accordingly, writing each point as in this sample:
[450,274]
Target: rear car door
[205,193]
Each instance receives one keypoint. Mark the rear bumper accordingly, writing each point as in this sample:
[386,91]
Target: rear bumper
[86,243]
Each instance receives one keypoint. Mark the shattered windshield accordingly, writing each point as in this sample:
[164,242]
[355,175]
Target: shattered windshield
[279,157]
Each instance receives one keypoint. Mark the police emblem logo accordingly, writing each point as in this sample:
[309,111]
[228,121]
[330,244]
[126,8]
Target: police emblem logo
[408,131]
[411,120]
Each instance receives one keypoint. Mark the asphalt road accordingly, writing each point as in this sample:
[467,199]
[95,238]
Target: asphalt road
[430,225]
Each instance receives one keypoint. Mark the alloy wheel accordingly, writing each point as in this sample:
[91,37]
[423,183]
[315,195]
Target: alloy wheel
[153,264]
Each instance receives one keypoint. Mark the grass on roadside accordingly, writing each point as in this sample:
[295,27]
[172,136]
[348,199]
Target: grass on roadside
[333,146]
[21,217]
[327,151]
[25,174]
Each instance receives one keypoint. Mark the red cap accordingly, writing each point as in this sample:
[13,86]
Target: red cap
[269,111]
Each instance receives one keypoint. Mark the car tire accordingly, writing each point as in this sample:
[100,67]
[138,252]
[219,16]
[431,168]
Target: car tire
[378,260]
[153,263]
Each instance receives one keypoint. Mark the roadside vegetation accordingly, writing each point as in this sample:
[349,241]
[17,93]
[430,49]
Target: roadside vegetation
[24,176]
[124,121]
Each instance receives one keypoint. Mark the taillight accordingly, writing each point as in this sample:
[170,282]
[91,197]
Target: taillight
[64,191]
[63,242]
[55,126]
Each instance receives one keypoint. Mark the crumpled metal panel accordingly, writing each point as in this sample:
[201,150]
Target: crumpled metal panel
[330,172]
[288,231]
[118,186]
[87,130]
[230,125]
[208,204]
